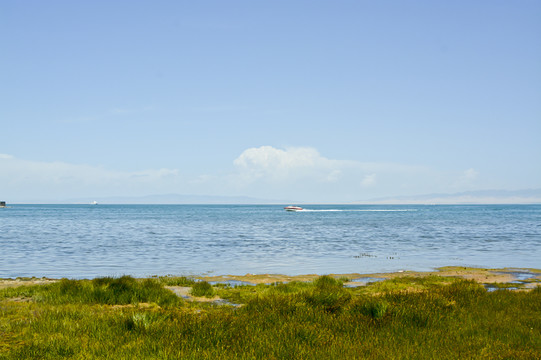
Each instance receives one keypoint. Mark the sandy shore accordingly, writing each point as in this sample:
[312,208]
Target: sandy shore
[485,276]
[531,277]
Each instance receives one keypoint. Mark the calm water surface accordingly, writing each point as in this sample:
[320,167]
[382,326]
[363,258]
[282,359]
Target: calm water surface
[85,241]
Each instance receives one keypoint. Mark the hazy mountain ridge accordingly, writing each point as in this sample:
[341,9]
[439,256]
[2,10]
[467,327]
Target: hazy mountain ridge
[177,199]
[527,196]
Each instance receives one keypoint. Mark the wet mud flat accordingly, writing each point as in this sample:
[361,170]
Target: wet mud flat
[527,276]
[493,279]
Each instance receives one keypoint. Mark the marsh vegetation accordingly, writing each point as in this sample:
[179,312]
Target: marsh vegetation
[402,318]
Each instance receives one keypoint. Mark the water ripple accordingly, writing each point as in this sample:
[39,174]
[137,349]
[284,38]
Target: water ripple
[88,241]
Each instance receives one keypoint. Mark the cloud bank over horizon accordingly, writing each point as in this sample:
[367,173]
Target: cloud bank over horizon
[26,179]
[296,173]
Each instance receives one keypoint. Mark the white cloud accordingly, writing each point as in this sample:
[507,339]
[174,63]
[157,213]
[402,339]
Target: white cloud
[466,179]
[122,110]
[268,158]
[203,179]
[334,176]
[304,172]
[297,173]
[470,174]
[272,164]
[369,180]
[276,165]
[48,180]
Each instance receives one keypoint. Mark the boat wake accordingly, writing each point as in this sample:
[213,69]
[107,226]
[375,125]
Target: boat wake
[356,210]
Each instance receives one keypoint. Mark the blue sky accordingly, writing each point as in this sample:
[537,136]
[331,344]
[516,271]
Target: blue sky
[327,101]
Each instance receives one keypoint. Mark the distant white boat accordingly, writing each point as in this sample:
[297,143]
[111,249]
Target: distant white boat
[293,208]
[94,202]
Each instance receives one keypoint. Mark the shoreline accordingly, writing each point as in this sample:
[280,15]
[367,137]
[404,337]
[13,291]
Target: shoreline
[529,277]
[480,275]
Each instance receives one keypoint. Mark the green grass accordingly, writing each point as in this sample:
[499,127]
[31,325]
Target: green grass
[406,318]
[176,280]
[202,288]
[111,291]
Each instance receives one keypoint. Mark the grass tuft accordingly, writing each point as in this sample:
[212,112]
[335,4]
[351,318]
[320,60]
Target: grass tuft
[110,291]
[202,288]
[176,280]
[375,308]
[329,294]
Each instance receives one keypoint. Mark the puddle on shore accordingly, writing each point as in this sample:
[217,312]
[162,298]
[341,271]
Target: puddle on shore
[492,287]
[232,283]
[362,281]
[523,279]
[184,292]
[223,302]
[522,276]
[181,291]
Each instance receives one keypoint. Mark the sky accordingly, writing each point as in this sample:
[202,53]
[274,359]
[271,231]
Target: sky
[316,101]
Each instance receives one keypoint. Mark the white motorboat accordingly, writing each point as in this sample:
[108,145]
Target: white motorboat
[293,208]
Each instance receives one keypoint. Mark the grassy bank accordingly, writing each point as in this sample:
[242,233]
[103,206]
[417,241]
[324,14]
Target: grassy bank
[402,318]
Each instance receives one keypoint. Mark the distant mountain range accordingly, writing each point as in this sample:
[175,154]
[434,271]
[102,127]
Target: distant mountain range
[531,196]
[176,199]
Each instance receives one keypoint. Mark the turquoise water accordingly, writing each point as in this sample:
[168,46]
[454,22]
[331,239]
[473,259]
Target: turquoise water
[85,241]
